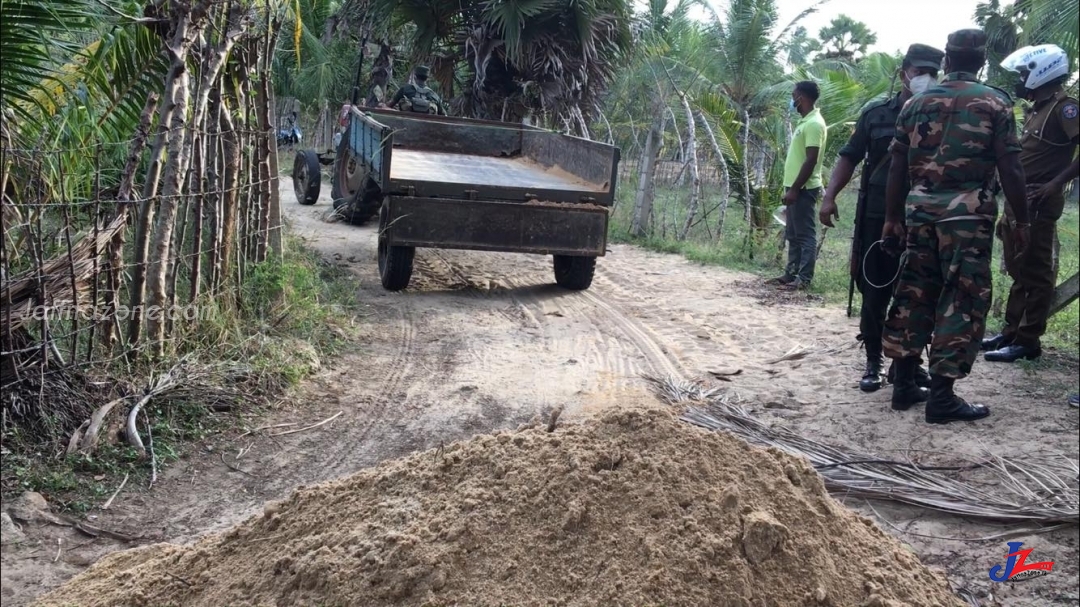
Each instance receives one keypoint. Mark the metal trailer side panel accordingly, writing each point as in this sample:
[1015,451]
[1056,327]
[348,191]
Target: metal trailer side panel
[578,170]
[547,229]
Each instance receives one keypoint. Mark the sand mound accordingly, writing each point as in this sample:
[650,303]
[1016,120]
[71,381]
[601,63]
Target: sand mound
[634,509]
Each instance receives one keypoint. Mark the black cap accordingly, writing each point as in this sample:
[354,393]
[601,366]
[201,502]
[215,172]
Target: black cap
[967,41]
[922,55]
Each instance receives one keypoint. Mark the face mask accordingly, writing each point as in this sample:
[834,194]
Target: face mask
[792,106]
[920,83]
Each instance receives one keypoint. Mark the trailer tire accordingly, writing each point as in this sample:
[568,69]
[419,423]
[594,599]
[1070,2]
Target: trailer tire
[395,263]
[574,272]
[307,177]
[352,214]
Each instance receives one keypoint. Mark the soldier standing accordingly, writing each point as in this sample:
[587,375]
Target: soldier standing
[873,268]
[1049,140]
[418,97]
[949,141]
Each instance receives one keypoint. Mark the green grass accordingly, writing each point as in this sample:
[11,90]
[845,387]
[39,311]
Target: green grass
[831,277]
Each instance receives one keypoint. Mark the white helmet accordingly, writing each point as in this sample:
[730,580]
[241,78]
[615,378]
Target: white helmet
[1045,62]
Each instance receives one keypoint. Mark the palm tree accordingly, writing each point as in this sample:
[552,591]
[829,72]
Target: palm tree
[543,60]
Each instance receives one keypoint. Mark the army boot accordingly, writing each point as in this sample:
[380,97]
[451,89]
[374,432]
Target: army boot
[922,376]
[874,377]
[906,393]
[944,406]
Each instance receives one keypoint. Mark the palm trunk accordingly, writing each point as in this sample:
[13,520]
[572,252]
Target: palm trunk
[692,160]
[179,92]
[230,162]
[643,205]
[725,183]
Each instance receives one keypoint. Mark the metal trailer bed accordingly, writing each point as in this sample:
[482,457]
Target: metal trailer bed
[456,183]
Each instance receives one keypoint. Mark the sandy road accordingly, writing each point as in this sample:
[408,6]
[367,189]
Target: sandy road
[482,341]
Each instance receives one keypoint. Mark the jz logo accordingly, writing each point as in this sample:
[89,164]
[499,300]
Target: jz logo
[1017,568]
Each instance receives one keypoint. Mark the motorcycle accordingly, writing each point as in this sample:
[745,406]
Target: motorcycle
[289,136]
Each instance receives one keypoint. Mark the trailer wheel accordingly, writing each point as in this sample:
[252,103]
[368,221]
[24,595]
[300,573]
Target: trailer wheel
[395,263]
[307,178]
[573,272]
[356,196]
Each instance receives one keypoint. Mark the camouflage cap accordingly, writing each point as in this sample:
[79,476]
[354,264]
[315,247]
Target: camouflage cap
[922,55]
[422,71]
[967,41]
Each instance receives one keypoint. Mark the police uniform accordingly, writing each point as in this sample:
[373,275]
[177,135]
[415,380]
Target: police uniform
[869,143]
[952,136]
[1049,139]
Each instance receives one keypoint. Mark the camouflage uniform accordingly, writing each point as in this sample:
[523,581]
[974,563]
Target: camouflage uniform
[869,142]
[418,98]
[952,135]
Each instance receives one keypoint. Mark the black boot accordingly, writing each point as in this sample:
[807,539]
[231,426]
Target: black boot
[873,379]
[905,392]
[922,377]
[944,406]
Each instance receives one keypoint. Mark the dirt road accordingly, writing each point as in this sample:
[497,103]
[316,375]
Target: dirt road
[483,341]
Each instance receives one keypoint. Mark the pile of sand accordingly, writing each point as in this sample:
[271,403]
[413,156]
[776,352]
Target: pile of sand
[634,508]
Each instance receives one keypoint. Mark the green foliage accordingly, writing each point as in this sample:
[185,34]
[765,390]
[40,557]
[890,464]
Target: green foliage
[846,38]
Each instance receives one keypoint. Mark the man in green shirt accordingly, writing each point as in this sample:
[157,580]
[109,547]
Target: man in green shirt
[802,183]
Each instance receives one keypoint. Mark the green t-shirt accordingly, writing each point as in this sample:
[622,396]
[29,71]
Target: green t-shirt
[809,133]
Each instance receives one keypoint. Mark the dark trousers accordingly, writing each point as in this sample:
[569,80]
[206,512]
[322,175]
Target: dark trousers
[801,236]
[1034,278]
[879,268]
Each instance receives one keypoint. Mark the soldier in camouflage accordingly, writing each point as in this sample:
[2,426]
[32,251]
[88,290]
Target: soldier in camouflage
[418,97]
[873,268]
[949,142]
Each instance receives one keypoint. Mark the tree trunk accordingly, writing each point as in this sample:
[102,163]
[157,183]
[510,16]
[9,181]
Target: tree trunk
[725,182]
[695,177]
[643,204]
[115,254]
[146,209]
[178,90]
[230,183]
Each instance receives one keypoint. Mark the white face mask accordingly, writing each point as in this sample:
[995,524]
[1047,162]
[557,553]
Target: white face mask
[920,83]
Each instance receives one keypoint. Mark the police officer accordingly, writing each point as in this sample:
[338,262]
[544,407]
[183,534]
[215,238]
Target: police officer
[869,143]
[418,97]
[949,143]
[1049,140]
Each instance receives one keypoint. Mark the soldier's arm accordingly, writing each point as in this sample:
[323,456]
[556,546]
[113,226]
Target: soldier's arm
[1010,171]
[398,95]
[896,186]
[849,157]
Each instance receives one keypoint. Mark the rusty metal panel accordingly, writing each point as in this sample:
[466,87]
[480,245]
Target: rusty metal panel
[550,229]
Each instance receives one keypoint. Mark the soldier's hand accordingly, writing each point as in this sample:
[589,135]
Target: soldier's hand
[894,229]
[1021,236]
[1036,195]
[828,211]
[791,196]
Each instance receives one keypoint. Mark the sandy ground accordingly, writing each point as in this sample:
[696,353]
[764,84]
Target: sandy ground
[484,341]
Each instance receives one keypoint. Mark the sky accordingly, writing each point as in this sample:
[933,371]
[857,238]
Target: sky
[897,23]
